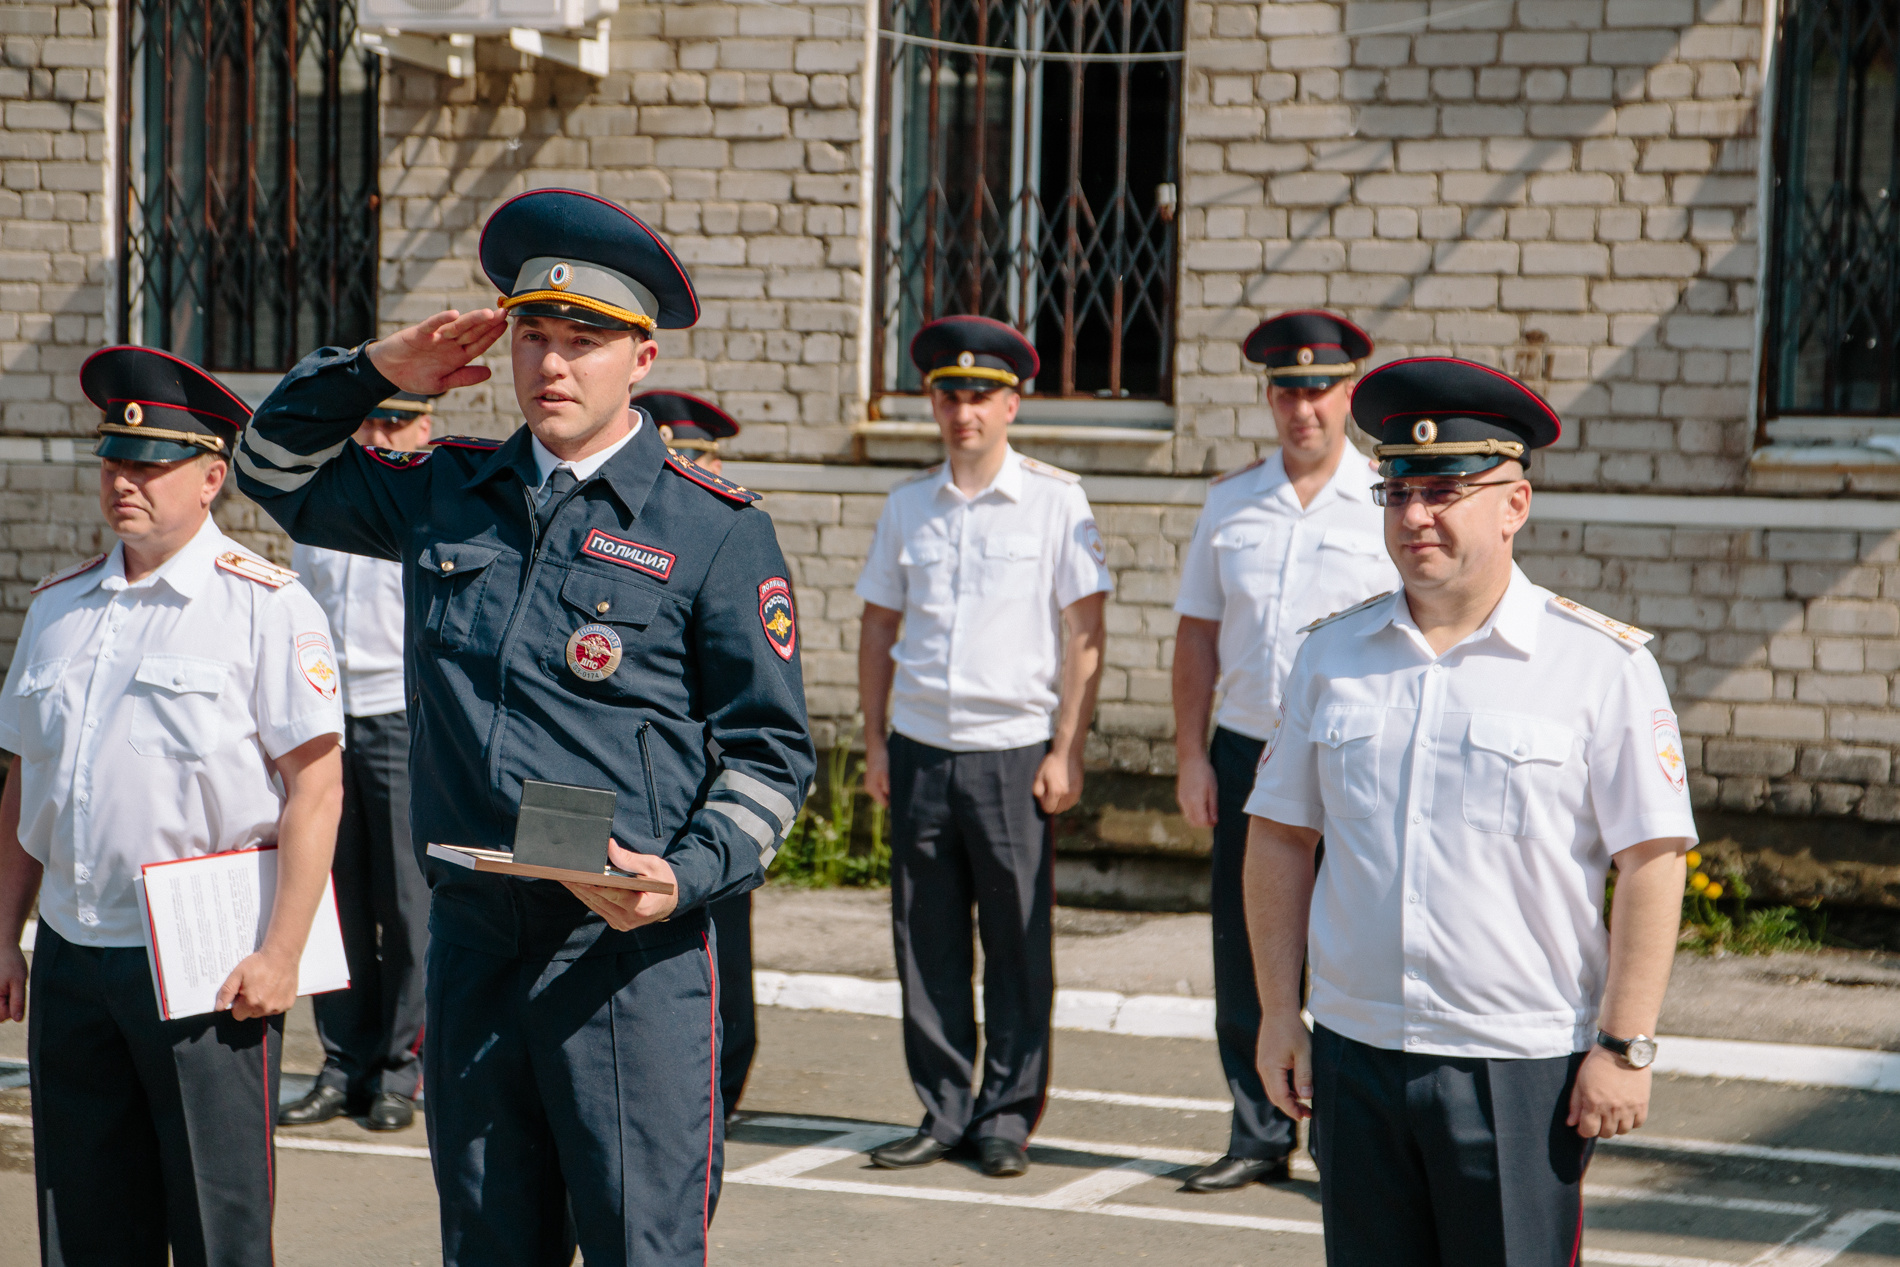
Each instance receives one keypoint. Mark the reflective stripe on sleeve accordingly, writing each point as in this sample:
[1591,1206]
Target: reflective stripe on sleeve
[283,481]
[764,793]
[277,455]
[749,823]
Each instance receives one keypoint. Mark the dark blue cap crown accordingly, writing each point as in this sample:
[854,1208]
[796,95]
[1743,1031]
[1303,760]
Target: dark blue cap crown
[562,253]
[687,422]
[1307,348]
[973,354]
[159,408]
[1438,415]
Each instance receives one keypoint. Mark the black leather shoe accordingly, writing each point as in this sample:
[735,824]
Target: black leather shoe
[1002,1159]
[919,1150]
[1237,1172]
[322,1104]
[390,1112]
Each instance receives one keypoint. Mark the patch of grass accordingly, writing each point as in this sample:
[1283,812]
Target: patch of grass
[818,850]
[1717,919]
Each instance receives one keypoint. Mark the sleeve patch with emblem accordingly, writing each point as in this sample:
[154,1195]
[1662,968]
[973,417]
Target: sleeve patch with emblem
[778,617]
[1092,538]
[1669,756]
[318,665]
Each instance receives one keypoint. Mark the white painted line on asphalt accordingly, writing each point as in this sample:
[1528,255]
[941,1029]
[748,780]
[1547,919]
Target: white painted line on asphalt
[1096,1188]
[1179,1016]
[1757,1152]
[300,1145]
[1741,1205]
[1620,1258]
[1831,1241]
[29,934]
[1182,1103]
[15,1119]
[799,1160]
[1139,1152]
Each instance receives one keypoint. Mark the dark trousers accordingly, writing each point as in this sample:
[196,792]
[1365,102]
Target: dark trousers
[573,1102]
[1429,1160]
[1259,1130]
[732,946]
[965,828]
[147,1133]
[372,1032]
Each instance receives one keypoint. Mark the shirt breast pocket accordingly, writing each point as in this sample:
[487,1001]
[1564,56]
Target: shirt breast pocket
[628,610]
[1512,767]
[1010,565]
[42,710]
[175,707]
[927,568]
[1348,739]
[1242,558]
[453,578]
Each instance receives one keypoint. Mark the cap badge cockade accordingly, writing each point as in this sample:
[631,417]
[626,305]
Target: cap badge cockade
[134,413]
[560,275]
[666,433]
[1304,356]
[966,359]
[1424,431]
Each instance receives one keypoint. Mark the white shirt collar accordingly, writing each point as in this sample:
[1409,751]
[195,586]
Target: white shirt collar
[1008,481]
[1351,480]
[186,571]
[545,463]
[1514,619]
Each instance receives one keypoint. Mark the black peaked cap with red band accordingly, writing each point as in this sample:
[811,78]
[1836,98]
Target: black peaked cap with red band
[566,254]
[1307,348]
[973,354]
[159,408]
[687,421]
[1438,415]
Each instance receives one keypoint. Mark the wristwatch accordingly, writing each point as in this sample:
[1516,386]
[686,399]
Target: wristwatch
[1638,1052]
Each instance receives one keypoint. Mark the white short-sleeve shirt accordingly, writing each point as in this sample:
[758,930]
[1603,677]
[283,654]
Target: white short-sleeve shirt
[146,715]
[1471,803]
[982,582]
[1265,567]
[362,599]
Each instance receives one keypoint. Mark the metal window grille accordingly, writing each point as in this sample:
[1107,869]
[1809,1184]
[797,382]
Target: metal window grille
[248,192]
[1834,320]
[1038,192]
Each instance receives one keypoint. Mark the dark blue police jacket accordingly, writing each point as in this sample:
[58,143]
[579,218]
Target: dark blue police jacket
[673,560]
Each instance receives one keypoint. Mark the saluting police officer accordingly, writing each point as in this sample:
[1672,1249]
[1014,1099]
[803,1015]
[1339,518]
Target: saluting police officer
[372,1032]
[174,697]
[692,429]
[993,566]
[1478,752]
[584,609]
[1280,543]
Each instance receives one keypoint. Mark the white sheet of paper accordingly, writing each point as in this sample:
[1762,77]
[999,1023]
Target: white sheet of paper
[204,915]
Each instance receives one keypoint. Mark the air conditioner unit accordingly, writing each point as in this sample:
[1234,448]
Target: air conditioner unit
[483,17]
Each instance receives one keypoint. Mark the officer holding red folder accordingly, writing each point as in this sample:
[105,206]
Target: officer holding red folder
[173,697]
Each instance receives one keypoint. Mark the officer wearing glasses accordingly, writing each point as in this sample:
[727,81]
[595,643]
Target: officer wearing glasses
[1478,753]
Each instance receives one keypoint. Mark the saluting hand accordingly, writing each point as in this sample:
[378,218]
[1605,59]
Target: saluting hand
[433,356]
[630,908]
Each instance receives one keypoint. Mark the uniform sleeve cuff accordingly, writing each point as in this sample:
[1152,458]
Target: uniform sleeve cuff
[1084,591]
[1194,611]
[880,597]
[364,371]
[1280,810]
[1626,835]
[9,740]
[300,731]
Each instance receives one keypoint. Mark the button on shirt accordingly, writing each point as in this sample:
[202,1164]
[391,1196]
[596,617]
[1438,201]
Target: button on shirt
[145,715]
[982,582]
[1265,567]
[362,598]
[1471,803]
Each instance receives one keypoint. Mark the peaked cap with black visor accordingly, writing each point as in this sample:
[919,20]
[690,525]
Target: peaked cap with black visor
[1307,348]
[687,422]
[974,354]
[1437,415]
[404,407]
[562,253]
[159,408]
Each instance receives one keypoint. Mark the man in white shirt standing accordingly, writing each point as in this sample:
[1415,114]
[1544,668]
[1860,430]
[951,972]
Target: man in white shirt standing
[1279,544]
[171,698]
[372,1032]
[1478,752]
[994,568]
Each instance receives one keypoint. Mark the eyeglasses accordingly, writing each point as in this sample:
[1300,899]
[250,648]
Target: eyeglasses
[1434,497]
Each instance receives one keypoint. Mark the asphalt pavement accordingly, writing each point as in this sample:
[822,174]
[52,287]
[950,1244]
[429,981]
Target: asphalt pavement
[1726,1172]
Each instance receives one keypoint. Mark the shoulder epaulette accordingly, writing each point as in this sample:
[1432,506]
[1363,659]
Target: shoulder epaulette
[468,442]
[401,459]
[1341,615]
[252,568]
[1053,472]
[1627,634]
[67,574]
[1239,470]
[713,483]
[914,476]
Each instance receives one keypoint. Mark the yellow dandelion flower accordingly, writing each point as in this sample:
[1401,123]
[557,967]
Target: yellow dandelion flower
[1694,859]
[1713,891]
[1698,882]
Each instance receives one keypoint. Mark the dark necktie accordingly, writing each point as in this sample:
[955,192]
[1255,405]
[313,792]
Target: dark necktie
[559,485]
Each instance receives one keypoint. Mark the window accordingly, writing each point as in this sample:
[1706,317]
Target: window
[248,135]
[1834,322]
[1034,190]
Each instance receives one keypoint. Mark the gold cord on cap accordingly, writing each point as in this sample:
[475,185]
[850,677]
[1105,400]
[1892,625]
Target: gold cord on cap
[1308,371]
[210,443]
[1456,449]
[972,371]
[588,302]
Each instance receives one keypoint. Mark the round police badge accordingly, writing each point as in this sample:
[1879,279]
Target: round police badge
[134,413]
[593,653]
[1305,356]
[1424,431]
[560,275]
[966,359]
